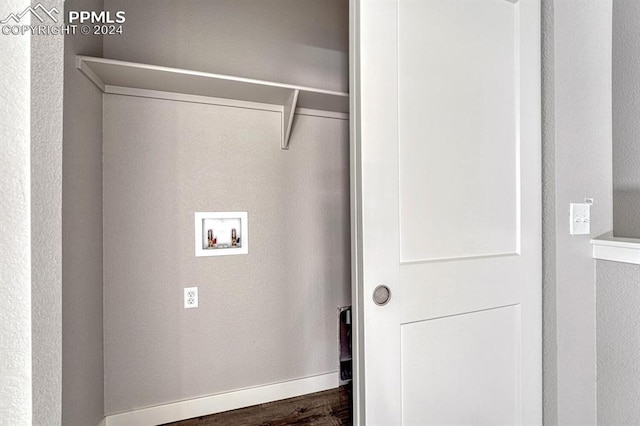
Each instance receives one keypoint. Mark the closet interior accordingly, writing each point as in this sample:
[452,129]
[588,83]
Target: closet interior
[205,107]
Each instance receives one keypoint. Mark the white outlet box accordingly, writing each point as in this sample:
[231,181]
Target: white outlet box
[579,218]
[190,297]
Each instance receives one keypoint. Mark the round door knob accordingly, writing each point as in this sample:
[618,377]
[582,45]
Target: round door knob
[381,295]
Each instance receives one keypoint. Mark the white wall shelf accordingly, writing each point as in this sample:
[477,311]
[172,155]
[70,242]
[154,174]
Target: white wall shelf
[130,78]
[616,249]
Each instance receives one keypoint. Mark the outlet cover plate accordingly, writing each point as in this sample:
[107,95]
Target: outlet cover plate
[190,297]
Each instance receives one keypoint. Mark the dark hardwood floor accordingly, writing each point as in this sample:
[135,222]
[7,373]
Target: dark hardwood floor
[330,408]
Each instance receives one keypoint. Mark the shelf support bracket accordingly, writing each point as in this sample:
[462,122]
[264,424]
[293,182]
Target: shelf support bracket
[86,70]
[288,112]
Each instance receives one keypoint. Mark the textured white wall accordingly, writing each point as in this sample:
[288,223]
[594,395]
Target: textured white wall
[47,80]
[618,343]
[15,234]
[549,294]
[626,110]
[577,164]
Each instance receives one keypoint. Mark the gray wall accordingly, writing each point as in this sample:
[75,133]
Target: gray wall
[626,114]
[82,348]
[618,343]
[302,42]
[47,80]
[576,164]
[15,238]
[618,284]
[264,317]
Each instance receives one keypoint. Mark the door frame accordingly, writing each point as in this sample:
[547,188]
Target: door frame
[357,309]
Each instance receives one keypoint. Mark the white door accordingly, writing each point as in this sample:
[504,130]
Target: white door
[447,195]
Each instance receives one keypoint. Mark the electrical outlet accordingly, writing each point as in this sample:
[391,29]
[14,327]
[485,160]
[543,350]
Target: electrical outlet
[190,297]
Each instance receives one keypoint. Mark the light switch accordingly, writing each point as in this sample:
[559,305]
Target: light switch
[580,218]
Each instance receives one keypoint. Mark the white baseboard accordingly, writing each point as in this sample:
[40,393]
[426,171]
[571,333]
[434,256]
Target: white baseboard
[224,401]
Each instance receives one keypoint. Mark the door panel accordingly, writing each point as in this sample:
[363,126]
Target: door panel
[446,187]
[439,289]
[458,125]
[463,367]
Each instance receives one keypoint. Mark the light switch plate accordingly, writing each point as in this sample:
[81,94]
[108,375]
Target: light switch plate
[579,218]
